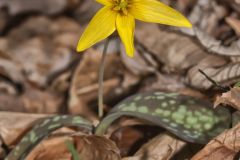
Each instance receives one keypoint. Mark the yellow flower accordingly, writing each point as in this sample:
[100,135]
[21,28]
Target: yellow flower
[120,15]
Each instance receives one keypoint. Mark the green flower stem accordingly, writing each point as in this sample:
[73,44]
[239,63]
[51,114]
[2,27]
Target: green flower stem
[100,80]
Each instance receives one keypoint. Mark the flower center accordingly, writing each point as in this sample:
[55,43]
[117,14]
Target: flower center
[121,6]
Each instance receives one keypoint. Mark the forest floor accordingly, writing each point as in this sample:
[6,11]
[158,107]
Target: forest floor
[42,75]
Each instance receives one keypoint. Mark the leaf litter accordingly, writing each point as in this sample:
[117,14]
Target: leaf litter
[41,74]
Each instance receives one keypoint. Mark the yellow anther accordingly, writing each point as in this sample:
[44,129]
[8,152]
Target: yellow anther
[121,5]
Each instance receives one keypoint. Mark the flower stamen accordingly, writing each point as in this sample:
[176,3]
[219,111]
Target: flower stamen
[121,6]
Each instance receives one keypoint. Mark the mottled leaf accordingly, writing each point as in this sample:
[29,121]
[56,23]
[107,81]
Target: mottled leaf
[225,146]
[42,130]
[191,119]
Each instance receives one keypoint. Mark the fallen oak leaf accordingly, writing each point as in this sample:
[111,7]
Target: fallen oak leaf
[231,98]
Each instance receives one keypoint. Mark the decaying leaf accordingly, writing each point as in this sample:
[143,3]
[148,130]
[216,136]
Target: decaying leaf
[39,74]
[224,147]
[225,75]
[37,53]
[126,138]
[84,85]
[33,101]
[234,23]
[140,64]
[4,17]
[169,50]
[44,6]
[53,148]
[206,16]
[96,147]
[231,98]
[11,103]
[13,125]
[215,46]
[162,147]
[8,67]
[233,3]
[37,101]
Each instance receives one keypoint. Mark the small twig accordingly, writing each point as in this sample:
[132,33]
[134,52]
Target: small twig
[223,88]
[100,80]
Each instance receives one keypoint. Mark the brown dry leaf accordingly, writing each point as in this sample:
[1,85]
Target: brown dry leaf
[220,71]
[54,147]
[125,138]
[33,100]
[4,17]
[234,23]
[233,3]
[44,6]
[138,65]
[88,147]
[162,147]
[169,50]
[60,83]
[215,46]
[224,147]
[8,88]
[40,53]
[8,67]
[231,98]
[11,103]
[51,149]
[163,82]
[14,125]
[37,101]
[130,133]
[86,11]
[96,148]
[84,85]
[206,17]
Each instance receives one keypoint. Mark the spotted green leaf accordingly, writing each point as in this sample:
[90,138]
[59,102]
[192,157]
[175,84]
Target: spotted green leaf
[42,130]
[191,119]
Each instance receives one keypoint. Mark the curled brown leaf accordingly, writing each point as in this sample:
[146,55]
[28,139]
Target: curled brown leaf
[162,147]
[231,98]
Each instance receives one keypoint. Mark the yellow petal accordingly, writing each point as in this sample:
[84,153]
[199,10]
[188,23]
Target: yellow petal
[101,26]
[126,26]
[105,2]
[157,12]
